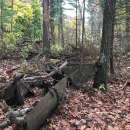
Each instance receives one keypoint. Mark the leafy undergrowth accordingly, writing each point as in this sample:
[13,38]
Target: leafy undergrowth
[85,108]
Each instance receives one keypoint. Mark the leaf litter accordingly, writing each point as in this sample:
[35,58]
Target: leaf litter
[83,109]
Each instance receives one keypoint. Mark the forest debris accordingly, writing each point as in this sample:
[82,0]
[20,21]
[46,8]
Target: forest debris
[44,107]
[34,78]
[127,83]
[14,116]
[79,73]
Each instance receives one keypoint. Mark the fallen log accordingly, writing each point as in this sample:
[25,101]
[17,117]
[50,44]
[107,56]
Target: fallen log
[38,115]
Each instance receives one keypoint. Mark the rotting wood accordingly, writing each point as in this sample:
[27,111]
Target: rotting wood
[38,115]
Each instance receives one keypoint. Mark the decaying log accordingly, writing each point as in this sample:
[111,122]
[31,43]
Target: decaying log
[38,115]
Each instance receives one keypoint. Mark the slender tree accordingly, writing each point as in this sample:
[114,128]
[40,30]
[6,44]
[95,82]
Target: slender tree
[46,42]
[60,24]
[12,5]
[128,23]
[52,17]
[100,78]
[83,30]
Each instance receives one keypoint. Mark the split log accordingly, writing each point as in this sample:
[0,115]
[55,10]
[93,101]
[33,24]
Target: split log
[38,115]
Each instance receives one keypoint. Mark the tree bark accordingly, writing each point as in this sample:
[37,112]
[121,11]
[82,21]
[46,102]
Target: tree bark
[128,23]
[100,78]
[46,42]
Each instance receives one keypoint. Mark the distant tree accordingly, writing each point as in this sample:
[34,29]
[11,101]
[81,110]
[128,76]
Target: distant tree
[60,24]
[46,41]
[100,78]
[128,23]
[52,19]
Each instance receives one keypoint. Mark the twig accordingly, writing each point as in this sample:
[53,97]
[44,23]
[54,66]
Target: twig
[127,83]
[45,76]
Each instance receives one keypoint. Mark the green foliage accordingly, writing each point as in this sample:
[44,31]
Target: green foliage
[25,51]
[22,20]
[57,47]
[53,61]
[102,87]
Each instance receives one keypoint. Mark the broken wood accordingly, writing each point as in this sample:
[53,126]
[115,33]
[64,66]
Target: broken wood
[38,115]
[127,83]
[14,116]
[35,78]
[45,76]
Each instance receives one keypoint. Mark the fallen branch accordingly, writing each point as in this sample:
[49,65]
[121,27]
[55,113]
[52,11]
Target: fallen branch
[35,78]
[127,83]
[45,76]
[14,116]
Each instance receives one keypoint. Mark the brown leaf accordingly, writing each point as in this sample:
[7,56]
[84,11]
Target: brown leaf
[76,101]
[127,127]
[83,127]
[64,123]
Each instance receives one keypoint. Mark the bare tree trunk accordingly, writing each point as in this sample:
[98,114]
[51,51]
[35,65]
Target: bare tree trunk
[76,24]
[128,23]
[12,14]
[52,15]
[83,30]
[100,78]
[2,25]
[60,25]
[46,42]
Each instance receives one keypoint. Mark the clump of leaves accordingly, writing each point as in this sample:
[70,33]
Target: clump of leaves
[53,61]
[57,47]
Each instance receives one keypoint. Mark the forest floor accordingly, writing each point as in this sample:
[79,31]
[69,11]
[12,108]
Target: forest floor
[83,108]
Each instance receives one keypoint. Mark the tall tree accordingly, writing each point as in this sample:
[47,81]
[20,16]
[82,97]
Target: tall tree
[128,23]
[100,78]
[46,42]
[60,24]
[83,30]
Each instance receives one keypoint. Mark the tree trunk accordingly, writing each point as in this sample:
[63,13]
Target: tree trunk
[60,25]
[128,23]
[46,42]
[100,78]
[52,16]
[12,6]
[83,30]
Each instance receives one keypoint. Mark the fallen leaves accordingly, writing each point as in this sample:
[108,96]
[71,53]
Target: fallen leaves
[87,111]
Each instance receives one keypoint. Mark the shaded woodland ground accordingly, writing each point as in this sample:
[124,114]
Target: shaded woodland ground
[81,108]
